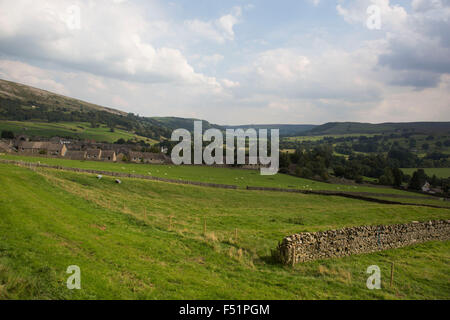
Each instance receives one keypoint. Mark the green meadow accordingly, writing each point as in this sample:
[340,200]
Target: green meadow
[77,130]
[231,176]
[439,172]
[316,138]
[153,240]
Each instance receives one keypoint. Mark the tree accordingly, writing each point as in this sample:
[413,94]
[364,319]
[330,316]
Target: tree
[387,178]
[339,171]
[284,160]
[398,177]
[418,180]
[7,134]
[120,141]
[435,181]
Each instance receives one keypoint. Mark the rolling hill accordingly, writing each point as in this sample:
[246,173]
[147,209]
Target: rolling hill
[19,102]
[286,130]
[334,128]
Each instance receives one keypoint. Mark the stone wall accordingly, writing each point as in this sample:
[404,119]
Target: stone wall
[348,241]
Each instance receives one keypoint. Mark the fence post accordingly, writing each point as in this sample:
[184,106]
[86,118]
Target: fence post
[392,274]
[293,256]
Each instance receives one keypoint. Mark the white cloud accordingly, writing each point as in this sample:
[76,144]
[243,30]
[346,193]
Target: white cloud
[219,30]
[136,57]
[416,46]
[113,41]
[392,16]
[27,74]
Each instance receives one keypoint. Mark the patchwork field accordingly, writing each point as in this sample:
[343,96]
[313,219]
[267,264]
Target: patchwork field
[77,130]
[145,240]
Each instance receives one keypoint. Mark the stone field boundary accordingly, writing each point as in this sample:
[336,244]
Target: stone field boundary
[310,246]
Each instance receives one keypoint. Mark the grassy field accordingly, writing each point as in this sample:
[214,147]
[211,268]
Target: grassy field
[239,177]
[439,172]
[78,130]
[321,137]
[119,235]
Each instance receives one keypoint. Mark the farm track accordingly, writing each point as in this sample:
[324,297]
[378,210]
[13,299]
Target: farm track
[364,196]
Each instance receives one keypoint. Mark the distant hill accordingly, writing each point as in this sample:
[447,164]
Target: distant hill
[19,102]
[369,128]
[173,123]
[286,130]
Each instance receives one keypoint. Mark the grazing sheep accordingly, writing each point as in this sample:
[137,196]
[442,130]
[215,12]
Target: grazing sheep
[118,181]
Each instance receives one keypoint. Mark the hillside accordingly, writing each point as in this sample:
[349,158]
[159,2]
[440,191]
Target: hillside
[72,130]
[19,102]
[174,123]
[31,108]
[334,128]
[146,240]
[30,96]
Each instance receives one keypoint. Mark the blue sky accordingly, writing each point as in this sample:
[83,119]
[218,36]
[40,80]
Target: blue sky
[236,62]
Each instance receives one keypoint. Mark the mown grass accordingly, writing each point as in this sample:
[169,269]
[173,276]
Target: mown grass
[232,176]
[120,237]
[78,130]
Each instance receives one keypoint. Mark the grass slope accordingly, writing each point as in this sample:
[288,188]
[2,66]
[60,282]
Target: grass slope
[239,177]
[23,93]
[77,130]
[119,236]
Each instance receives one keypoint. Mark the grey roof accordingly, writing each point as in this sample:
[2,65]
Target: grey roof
[93,152]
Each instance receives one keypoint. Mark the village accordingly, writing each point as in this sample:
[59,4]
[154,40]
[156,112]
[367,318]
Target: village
[90,150]
[71,149]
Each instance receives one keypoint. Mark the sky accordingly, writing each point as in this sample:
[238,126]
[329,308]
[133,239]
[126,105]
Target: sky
[236,61]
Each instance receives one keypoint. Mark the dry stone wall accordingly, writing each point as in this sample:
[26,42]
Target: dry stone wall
[365,239]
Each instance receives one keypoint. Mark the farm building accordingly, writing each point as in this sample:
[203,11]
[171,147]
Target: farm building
[147,157]
[54,149]
[109,155]
[6,147]
[93,154]
[75,155]
[426,187]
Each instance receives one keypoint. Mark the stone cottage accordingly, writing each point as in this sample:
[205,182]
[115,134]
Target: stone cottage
[75,155]
[93,154]
[109,155]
